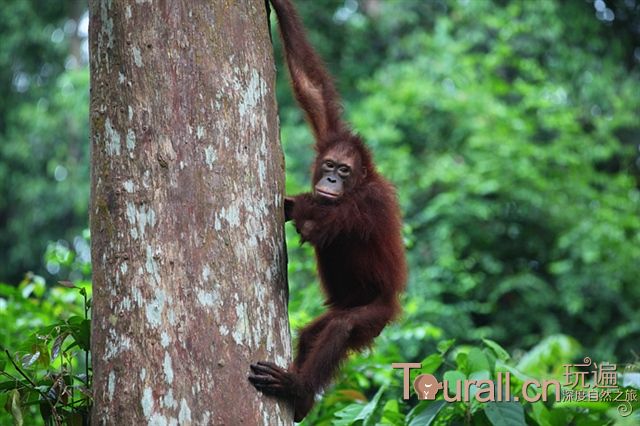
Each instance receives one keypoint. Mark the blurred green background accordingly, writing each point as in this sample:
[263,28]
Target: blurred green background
[511,130]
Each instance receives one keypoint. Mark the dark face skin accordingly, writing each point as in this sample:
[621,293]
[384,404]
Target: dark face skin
[336,174]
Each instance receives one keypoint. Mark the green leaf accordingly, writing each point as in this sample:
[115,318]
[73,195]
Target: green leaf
[515,373]
[8,291]
[498,350]
[12,384]
[540,414]
[75,320]
[431,363]
[81,333]
[477,361]
[462,361]
[13,407]
[550,353]
[356,412]
[445,345]
[347,415]
[508,413]
[559,416]
[391,414]
[369,411]
[425,412]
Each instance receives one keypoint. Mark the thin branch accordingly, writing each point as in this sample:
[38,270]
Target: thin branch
[19,370]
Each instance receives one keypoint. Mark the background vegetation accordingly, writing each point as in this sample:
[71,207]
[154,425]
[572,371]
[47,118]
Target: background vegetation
[512,132]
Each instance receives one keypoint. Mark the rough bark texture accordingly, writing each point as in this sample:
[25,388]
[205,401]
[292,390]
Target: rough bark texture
[186,213]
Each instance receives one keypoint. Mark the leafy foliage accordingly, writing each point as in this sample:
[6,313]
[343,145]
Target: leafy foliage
[511,132]
[345,404]
[47,376]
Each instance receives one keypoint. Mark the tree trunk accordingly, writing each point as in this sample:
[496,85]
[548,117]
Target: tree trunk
[189,268]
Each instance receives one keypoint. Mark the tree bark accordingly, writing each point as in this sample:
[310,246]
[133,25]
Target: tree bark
[189,267]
